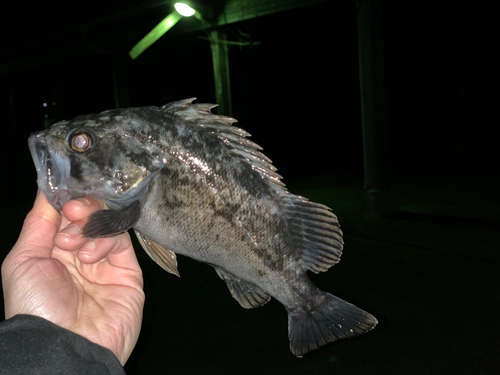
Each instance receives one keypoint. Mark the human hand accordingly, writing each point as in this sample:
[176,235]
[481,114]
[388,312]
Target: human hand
[92,287]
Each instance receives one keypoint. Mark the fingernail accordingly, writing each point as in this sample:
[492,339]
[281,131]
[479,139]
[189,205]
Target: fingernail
[88,248]
[84,202]
[71,230]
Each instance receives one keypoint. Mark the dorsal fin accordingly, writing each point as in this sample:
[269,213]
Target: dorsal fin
[315,230]
[222,128]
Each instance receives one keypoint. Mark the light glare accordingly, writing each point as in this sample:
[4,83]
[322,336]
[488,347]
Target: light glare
[184,9]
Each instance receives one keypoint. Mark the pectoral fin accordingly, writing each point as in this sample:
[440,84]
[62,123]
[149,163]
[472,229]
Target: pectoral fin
[165,258]
[109,223]
[248,295]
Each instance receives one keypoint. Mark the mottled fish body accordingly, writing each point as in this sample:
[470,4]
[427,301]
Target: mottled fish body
[189,182]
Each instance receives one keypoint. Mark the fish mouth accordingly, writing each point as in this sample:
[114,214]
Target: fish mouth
[49,178]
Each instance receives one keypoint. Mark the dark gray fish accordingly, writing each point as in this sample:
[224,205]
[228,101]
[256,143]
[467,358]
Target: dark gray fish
[188,182]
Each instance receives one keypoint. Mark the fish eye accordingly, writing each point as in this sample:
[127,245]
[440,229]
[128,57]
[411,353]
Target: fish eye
[80,142]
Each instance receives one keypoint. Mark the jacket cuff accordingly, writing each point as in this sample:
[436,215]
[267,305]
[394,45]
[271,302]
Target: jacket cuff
[33,345]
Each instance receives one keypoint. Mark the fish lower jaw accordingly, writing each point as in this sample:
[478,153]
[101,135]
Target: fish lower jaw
[57,199]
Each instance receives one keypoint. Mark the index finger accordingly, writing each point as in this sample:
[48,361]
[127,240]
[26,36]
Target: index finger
[82,208]
[77,212]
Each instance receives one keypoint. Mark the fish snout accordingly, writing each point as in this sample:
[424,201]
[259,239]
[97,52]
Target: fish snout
[49,177]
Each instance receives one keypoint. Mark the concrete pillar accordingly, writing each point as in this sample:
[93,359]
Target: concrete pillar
[378,197]
[119,68]
[220,58]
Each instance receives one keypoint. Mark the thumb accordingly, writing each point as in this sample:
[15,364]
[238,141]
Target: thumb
[40,227]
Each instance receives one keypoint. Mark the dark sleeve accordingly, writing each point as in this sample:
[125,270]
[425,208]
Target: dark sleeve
[32,345]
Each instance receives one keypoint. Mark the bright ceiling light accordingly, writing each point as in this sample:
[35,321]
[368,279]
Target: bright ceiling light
[166,24]
[184,9]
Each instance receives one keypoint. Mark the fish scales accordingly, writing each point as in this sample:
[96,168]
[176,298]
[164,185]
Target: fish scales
[207,214]
[189,182]
[215,207]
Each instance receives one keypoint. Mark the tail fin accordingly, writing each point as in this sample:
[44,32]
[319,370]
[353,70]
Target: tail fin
[326,319]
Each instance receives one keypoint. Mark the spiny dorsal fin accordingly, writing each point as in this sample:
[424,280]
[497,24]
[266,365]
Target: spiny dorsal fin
[248,295]
[165,258]
[316,231]
[222,128]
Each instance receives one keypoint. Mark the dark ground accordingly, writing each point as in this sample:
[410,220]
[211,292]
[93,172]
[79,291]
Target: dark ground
[430,275]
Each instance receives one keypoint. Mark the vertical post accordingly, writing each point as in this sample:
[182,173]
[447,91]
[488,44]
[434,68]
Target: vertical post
[377,196]
[120,87]
[11,104]
[220,58]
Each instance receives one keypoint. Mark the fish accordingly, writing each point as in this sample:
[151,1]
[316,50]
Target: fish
[189,182]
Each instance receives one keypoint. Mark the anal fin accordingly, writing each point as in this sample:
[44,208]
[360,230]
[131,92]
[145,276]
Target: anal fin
[165,258]
[248,295]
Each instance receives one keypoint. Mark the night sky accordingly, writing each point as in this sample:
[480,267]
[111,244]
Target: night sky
[296,90]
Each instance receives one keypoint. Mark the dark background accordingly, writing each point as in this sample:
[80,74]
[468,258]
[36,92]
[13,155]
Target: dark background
[430,274]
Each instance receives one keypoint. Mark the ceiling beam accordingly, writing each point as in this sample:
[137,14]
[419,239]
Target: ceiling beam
[242,10]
